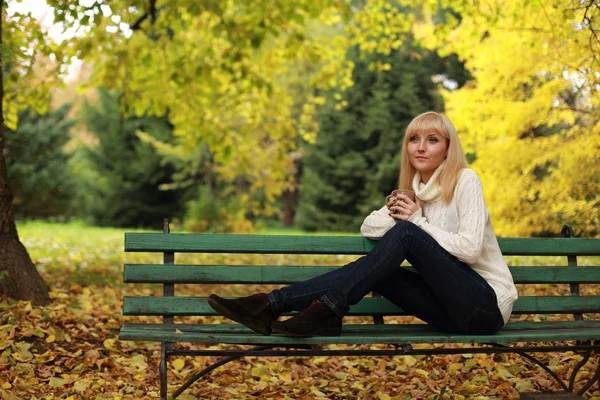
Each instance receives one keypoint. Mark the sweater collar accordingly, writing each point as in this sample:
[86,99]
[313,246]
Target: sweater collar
[431,190]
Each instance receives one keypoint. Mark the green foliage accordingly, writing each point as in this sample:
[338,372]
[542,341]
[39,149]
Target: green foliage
[38,165]
[213,68]
[121,175]
[355,160]
[28,72]
[212,211]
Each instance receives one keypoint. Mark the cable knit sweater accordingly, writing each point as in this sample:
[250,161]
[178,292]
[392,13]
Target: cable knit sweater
[462,228]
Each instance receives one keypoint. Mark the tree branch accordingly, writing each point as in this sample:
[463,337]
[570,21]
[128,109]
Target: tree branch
[150,13]
[589,21]
[137,24]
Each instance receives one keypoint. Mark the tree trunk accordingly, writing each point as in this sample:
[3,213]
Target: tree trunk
[290,200]
[18,277]
[291,197]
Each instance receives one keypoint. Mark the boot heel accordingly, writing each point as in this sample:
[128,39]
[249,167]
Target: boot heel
[317,319]
[330,332]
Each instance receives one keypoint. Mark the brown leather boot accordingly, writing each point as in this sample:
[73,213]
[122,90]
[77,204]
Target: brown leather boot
[253,311]
[317,319]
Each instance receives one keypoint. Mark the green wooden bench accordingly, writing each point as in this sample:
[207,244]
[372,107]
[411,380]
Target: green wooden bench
[578,333]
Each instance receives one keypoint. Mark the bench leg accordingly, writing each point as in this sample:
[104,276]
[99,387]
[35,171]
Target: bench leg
[593,380]
[214,366]
[162,370]
[568,391]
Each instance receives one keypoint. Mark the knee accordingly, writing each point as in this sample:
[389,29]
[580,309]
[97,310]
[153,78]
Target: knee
[404,227]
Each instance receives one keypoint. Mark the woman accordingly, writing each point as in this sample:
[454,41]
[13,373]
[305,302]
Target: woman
[462,283]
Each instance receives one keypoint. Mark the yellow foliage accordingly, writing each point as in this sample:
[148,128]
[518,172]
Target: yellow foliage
[528,116]
[531,117]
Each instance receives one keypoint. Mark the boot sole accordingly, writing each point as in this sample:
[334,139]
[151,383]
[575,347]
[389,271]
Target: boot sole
[322,332]
[256,325]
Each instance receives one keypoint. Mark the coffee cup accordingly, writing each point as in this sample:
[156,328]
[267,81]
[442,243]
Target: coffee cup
[409,193]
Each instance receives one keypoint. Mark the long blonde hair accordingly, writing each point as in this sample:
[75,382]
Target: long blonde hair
[455,157]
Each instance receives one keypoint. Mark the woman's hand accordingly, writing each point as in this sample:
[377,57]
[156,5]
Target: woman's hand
[403,207]
[390,200]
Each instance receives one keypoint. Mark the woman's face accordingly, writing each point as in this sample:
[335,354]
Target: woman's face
[426,151]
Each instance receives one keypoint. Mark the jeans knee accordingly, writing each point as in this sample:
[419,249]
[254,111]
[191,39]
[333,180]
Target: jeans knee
[404,227]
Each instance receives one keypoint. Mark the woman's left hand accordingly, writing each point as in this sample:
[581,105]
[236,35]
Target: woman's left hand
[404,207]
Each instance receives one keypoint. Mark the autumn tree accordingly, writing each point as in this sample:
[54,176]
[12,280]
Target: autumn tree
[531,117]
[23,84]
[213,66]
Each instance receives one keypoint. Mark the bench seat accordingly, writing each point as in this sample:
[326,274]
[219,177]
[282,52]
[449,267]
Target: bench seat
[358,334]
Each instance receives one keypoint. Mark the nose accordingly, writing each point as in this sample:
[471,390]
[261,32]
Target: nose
[421,148]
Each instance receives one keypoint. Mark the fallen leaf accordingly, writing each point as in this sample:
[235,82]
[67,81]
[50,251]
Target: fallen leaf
[57,382]
[178,364]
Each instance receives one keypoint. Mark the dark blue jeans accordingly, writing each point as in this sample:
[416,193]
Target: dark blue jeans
[445,292]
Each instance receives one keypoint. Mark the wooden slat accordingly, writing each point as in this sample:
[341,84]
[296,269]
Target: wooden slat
[365,328]
[549,246]
[259,244]
[280,244]
[362,334]
[158,273]
[368,306]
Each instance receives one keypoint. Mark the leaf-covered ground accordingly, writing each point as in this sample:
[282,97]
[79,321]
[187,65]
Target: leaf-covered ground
[69,349]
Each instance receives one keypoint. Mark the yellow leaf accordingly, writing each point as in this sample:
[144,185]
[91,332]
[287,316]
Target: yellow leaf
[409,360]
[177,331]
[259,372]
[50,339]
[57,382]
[109,344]
[383,396]
[285,377]
[504,373]
[6,385]
[455,367]
[523,385]
[179,364]
[81,385]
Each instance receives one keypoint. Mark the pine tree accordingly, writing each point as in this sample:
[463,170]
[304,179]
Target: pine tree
[38,165]
[355,161]
[121,185]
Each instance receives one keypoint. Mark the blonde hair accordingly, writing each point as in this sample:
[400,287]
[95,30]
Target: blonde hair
[455,157]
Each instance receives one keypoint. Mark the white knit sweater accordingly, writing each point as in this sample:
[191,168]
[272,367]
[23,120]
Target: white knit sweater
[463,228]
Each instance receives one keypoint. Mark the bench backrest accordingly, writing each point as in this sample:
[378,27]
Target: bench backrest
[169,274]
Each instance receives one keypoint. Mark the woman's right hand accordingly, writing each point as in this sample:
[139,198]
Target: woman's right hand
[390,200]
